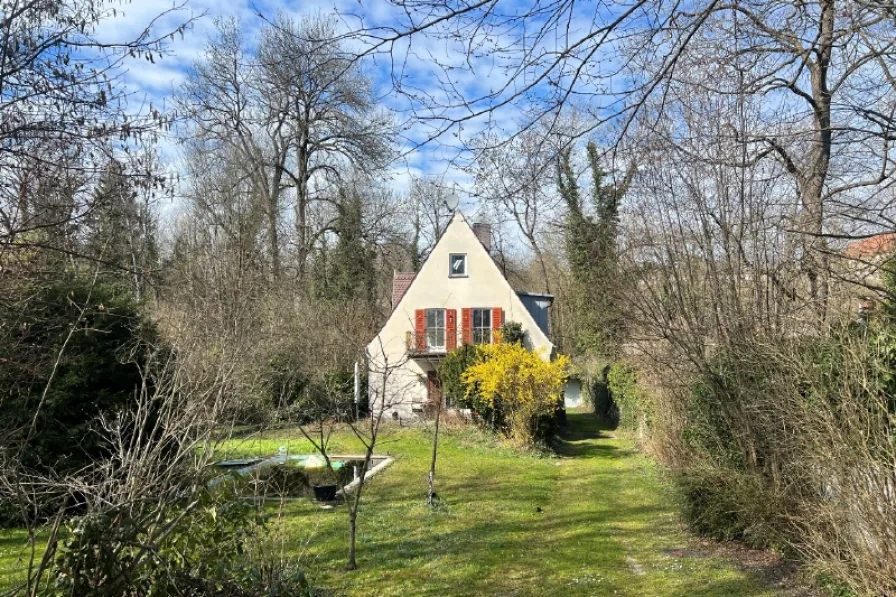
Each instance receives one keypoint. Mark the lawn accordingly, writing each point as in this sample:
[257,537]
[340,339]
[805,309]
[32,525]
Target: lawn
[595,519]
[607,523]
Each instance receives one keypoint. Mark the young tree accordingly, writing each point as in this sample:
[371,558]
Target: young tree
[387,391]
[431,476]
[450,373]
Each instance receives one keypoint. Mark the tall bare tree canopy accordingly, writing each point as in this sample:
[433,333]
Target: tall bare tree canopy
[817,76]
[296,115]
[62,108]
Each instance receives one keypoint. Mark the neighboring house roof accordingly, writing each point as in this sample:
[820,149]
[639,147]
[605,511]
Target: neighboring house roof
[873,246]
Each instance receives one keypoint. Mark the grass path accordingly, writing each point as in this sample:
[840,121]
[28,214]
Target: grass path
[595,520]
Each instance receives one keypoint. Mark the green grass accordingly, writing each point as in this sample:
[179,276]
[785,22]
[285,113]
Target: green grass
[608,524]
[14,556]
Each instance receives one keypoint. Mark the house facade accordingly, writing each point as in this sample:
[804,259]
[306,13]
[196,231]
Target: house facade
[459,296]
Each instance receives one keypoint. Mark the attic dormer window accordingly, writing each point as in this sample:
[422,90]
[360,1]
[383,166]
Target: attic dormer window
[457,265]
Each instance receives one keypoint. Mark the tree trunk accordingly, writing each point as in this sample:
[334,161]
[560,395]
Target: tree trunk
[274,238]
[302,212]
[812,192]
[352,532]
[273,212]
[430,495]
[533,241]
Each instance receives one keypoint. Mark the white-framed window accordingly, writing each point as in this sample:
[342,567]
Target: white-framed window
[457,265]
[482,326]
[435,329]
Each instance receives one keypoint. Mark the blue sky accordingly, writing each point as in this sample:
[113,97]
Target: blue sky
[427,62]
[153,83]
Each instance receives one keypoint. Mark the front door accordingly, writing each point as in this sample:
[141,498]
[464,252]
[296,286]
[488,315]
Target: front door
[433,389]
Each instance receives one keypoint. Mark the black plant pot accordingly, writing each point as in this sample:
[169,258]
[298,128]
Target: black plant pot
[325,493]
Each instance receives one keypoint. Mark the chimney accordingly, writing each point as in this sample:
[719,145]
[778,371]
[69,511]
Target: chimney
[400,284]
[484,233]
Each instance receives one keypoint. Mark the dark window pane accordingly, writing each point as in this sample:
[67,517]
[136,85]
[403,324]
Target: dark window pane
[482,336]
[457,265]
[482,332]
[435,318]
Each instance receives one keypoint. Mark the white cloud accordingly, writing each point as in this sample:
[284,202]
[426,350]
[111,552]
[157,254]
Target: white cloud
[422,60]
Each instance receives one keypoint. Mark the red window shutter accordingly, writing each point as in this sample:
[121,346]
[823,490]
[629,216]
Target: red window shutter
[450,329]
[420,330]
[497,324]
[466,322]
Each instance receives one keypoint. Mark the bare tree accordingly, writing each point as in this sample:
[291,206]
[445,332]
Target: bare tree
[517,180]
[428,202]
[298,114]
[431,476]
[63,108]
[821,71]
[152,478]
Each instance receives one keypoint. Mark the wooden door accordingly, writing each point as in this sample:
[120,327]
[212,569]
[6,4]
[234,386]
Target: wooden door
[433,389]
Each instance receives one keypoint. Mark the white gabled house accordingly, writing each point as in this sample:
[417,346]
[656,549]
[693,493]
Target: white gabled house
[458,296]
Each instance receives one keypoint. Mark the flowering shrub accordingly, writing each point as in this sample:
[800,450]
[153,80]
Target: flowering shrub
[527,387]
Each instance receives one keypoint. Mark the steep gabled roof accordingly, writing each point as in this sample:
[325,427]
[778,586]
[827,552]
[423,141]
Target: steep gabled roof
[458,219]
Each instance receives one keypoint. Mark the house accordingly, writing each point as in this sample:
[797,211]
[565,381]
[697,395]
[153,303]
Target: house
[458,296]
[873,247]
[865,259]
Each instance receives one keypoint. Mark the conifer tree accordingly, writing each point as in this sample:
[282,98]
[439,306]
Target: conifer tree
[346,271]
[123,233]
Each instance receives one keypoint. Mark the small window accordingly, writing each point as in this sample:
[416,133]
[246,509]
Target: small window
[435,329]
[482,326]
[457,265]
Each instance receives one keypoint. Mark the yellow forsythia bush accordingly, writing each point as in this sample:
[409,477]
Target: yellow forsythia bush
[527,386]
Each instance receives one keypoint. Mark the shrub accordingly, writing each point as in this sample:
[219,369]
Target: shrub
[520,382]
[512,332]
[98,368]
[727,504]
[605,407]
[788,442]
[211,544]
[629,395]
[295,396]
[451,371]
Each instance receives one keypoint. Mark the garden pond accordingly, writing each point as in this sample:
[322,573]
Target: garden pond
[294,475]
